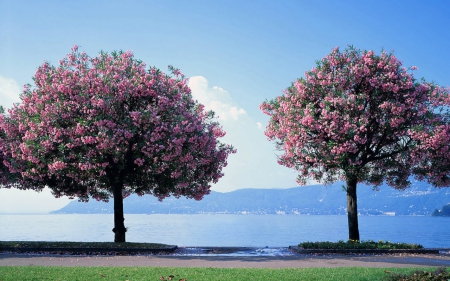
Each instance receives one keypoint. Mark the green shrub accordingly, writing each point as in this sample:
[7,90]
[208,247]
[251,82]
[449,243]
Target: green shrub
[352,244]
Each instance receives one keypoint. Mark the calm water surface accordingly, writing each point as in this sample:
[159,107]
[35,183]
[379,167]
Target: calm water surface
[225,230]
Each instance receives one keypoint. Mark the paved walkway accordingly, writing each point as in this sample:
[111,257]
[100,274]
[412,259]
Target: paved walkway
[299,261]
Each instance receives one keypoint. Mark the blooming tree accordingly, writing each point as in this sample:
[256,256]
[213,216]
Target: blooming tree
[106,127]
[362,117]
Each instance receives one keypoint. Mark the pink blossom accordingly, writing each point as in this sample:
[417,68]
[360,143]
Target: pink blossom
[55,166]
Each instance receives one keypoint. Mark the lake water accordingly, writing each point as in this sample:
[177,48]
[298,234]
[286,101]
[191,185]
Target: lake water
[225,230]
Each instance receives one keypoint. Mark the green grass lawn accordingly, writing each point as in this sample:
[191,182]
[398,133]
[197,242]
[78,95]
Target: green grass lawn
[10,273]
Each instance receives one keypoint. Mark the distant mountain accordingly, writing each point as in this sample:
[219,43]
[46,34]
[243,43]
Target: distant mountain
[419,199]
[444,212]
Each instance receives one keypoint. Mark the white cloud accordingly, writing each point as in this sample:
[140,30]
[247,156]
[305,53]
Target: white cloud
[255,159]
[259,124]
[9,92]
[215,99]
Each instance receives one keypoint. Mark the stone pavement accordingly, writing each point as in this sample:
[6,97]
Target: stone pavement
[295,261]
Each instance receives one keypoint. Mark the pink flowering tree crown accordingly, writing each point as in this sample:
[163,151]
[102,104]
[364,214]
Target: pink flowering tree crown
[358,114]
[91,124]
[362,117]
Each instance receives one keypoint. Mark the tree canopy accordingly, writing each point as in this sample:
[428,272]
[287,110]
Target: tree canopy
[361,117]
[106,127]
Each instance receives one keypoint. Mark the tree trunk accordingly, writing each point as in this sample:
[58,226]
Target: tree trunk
[119,225]
[352,209]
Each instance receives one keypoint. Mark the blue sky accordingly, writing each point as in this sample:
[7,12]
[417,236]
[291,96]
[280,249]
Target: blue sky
[237,53]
